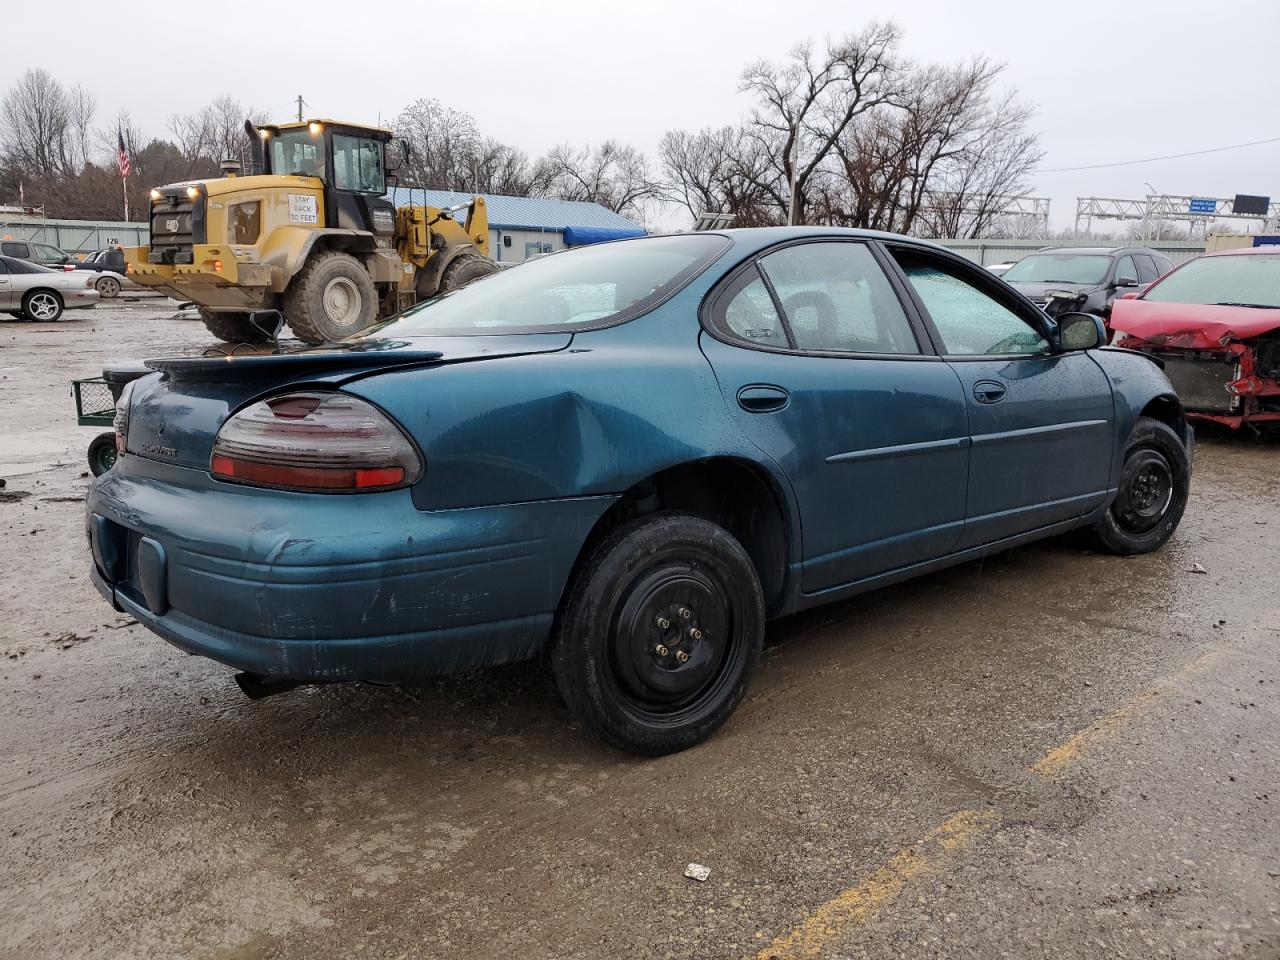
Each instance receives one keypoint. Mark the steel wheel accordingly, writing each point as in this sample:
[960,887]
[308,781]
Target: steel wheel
[1147,494]
[669,641]
[43,306]
[342,303]
[108,287]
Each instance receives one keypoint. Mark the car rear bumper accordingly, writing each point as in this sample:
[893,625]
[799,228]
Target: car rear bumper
[322,588]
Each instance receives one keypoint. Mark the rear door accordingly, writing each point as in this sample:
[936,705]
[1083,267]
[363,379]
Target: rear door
[1040,423]
[826,373]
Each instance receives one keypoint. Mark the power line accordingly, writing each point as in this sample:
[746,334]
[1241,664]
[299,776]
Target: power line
[1167,156]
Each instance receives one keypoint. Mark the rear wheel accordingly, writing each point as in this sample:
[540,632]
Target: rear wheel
[102,453]
[331,298]
[1155,481]
[660,633]
[108,286]
[232,327]
[468,268]
[43,306]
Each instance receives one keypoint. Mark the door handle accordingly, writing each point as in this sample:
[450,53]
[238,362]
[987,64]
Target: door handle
[988,391]
[762,398]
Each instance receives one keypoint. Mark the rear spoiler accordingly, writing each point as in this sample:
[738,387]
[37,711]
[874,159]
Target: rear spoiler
[248,368]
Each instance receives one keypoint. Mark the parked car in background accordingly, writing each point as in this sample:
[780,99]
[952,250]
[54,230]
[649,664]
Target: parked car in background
[1215,324]
[1000,269]
[633,454]
[45,254]
[1095,275]
[32,292]
[110,265]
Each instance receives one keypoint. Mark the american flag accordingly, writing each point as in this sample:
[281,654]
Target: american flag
[123,158]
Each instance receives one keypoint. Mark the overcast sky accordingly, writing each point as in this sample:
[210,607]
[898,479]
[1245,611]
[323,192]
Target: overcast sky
[1112,79]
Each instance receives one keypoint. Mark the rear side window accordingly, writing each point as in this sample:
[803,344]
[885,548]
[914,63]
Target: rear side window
[824,297]
[1147,271]
[750,315]
[13,249]
[837,299]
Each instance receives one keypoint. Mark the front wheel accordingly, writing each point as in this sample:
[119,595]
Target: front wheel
[1155,482]
[232,327]
[660,633]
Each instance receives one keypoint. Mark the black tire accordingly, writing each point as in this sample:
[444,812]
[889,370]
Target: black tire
[332,297]
[619,668]
[108,286]
[1155,481]
[464,270]
[42,306]
[102,453]
[232,327]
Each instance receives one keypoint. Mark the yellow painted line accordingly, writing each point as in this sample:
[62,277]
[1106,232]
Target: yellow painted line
[1059,758]
[859,904]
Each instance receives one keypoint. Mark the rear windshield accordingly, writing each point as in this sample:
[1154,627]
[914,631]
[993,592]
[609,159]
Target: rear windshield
[1250,280]
[577,289]
[1059,268]
[26,266]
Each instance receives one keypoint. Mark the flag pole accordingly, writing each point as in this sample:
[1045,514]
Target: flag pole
[124,183]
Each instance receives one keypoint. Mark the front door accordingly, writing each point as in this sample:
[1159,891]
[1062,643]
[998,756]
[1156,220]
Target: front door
[6,288]
[1041,423]
[826,374]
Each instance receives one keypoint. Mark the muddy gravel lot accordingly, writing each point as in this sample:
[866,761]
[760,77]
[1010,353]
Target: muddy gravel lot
[1052,753]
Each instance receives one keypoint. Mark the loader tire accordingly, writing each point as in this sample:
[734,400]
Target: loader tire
[332,297]
[466,269]
[232,327]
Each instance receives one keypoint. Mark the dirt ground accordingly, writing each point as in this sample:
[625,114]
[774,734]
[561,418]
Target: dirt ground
[1052,753]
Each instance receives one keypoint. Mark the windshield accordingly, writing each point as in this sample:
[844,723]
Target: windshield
[1059,268]
[297,151]
[587,287]
[1251,280]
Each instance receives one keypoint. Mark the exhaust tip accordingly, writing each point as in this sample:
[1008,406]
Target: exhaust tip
[257,687]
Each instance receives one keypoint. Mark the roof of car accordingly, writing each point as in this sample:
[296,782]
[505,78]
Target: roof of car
[765,236]
[1099,251]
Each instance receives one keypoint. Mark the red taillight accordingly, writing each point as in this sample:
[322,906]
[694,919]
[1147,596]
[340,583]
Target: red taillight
[324,442]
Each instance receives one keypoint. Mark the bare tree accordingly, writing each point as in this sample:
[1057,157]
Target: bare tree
[805,106]
[718,171]
[442,143]
[36,121]
[614,175]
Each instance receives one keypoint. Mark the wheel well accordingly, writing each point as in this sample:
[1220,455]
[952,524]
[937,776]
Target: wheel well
[34,290]
[1168,410]
[734,494]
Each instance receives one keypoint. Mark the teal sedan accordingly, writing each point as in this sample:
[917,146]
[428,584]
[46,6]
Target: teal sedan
[631,456]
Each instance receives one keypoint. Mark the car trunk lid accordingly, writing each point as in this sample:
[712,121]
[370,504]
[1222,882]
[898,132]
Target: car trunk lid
[174,417]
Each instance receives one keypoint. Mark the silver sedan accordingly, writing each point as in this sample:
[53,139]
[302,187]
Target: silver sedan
[32,292]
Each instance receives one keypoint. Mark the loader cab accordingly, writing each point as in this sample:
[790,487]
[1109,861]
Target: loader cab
[352,162]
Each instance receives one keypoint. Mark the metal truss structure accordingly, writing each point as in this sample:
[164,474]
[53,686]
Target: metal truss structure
[1165,208]
[1030,208]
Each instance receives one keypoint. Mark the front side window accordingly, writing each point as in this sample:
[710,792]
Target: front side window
[1247,280]
[46,252]
[836,298]
[1147,271]
[1059,268]
[298,152]
[583,288]
[969,320]
[1125,270]
[357,165]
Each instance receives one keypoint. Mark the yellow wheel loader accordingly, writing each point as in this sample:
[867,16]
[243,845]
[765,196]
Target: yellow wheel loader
[312,236]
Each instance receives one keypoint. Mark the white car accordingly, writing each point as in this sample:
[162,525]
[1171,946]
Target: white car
[32,292]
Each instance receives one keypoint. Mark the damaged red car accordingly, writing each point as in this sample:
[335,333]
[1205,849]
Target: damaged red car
[1215,324]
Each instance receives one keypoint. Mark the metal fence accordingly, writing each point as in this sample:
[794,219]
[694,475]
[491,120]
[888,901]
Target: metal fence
[74,236]
[987,252]
[85,236]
